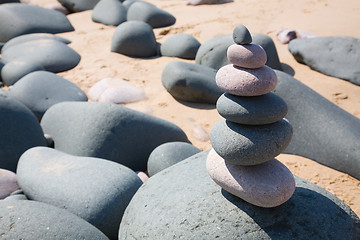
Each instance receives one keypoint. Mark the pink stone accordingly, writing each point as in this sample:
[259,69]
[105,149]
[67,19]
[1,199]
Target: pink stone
[143,176]
[246,82]
[8,183]
[247,56]
[286,35]
[269,184]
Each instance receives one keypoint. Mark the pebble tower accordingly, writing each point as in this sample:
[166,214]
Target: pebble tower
[253,131]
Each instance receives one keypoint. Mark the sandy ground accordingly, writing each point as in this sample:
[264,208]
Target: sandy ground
[322,17]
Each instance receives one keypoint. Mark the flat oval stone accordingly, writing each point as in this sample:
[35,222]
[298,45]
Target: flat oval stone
[241,35]
[8,183]
[246,82]
[14,70]
[25,219]
[94,189]
[26,18]
[247,56]
[250,145]
[259,110]
[180,45]
[269,184]
[109,12]
[135,39]
[168,154]
[149,13]
[40,90]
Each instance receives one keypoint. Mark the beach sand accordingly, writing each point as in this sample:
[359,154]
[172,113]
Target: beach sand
[322,17]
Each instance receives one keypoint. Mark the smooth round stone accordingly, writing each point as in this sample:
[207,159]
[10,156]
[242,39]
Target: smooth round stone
[241,35]
[26,18]
[78,5]
[135,39]
[246,82]
[53,55]
[36,220]
[20,130]
[247,56]
[108,131]
[15,70]
[109,12]
[269,184]
[250,145]
[180,45]
[94,189]
[40,90]
[8,183]
[31,37]
[185,202]
[191,82]
[149,13]
[259,110]
[169,154]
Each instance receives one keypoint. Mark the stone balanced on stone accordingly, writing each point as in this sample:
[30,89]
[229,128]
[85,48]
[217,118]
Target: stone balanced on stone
[253,132]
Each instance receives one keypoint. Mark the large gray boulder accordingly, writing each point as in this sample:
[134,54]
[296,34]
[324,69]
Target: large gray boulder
[18,19]
[36,220]
[108,131]
[334,56]
[20,131]
[322,131]
[182,202]
[94,189]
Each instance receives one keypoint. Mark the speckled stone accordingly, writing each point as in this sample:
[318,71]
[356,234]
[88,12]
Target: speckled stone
[184,203]
[94,189]
[36,220]
[247,56]
[250,145]
[246,82]
[8,183]
[241,35]
[264,109]
[269,184]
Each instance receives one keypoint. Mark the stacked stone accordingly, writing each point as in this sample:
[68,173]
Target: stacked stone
[253,132]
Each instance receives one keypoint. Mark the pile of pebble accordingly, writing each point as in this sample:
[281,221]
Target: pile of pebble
[253,131]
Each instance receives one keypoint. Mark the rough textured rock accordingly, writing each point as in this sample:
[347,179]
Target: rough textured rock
[94,189]
[20,130]
[322,131]
[27,19]
[78,5]
[168,154]
[269,184]
[208,212]
[52,55]
[8,183]
[191,82]
[212,53]
[334,56]
[135,39]
[108,131]
[149,13]
[249,145]
[35,220]
[247,56]
[241,35]
[246,82]
[14,70]
[265,109]
[109,12]
[40,90]
[180,45]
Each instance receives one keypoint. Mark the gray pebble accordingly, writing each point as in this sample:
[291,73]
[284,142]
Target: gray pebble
[241,35]
[78,5]
[14,70]
[180,45]
[109,12]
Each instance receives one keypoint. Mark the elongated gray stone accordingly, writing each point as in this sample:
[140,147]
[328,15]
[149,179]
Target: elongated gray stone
[40,90]
[109,12]
[322,131]
[14,70]
[205,211]
[36,220]
[94,189]
[108,131]
[26,18]
[334,56]
[250,145]
[191,82]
